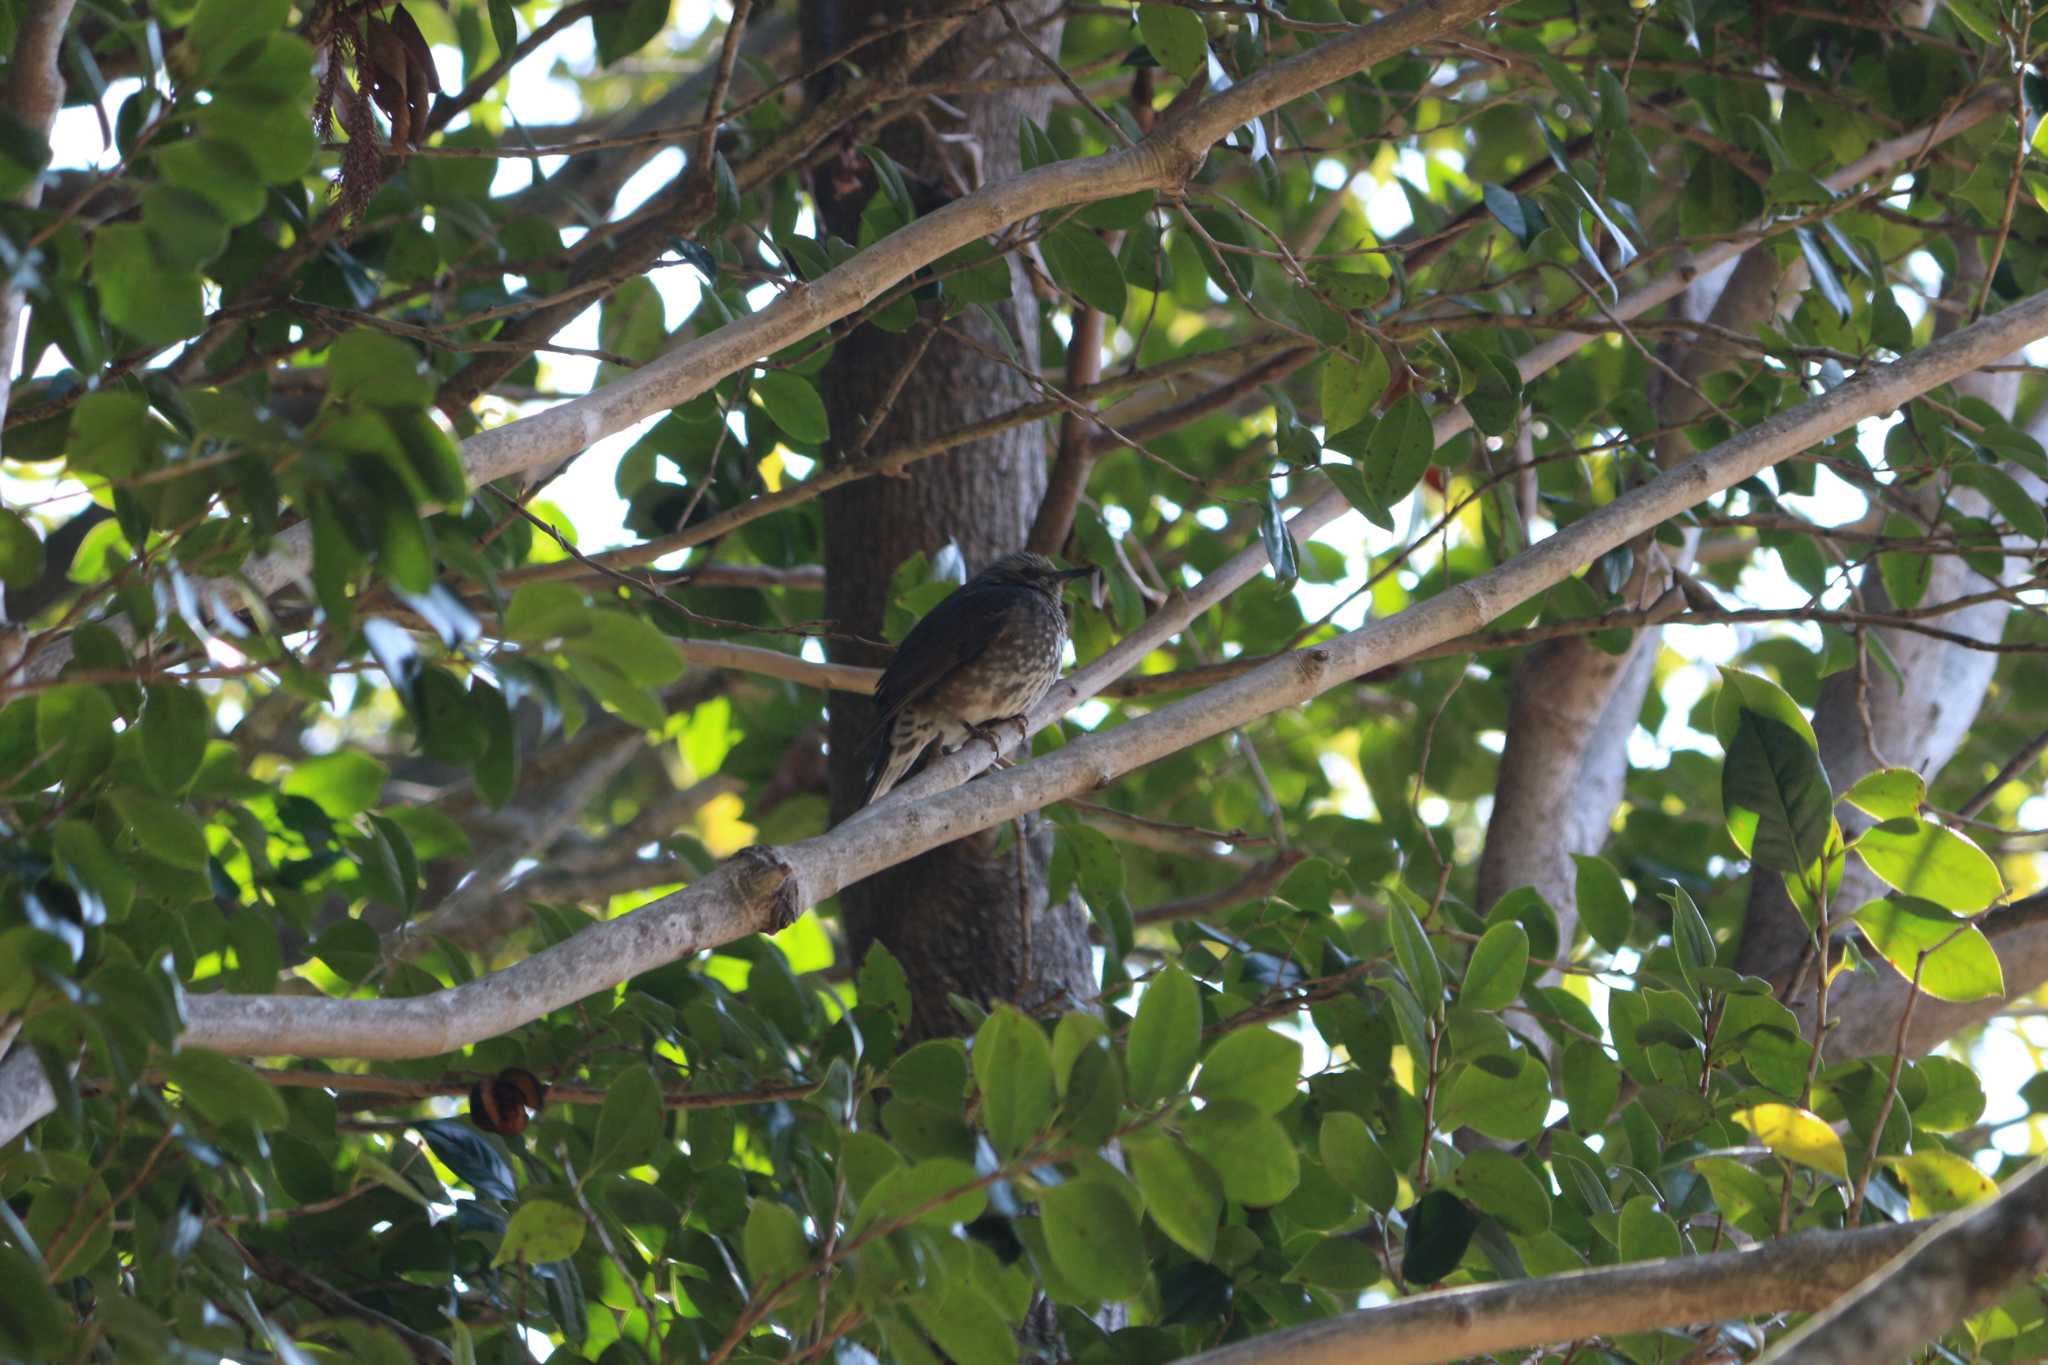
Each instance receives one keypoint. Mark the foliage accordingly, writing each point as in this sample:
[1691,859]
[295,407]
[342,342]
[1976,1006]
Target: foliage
[1318,1067]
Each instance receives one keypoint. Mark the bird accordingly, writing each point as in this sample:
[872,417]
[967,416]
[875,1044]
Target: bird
[983,656]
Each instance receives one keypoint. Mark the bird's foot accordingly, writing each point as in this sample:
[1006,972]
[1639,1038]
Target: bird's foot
[987,734]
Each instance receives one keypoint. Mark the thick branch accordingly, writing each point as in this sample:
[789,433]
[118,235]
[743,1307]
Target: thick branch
[1961,1266]
[35,90]
[1801,1273]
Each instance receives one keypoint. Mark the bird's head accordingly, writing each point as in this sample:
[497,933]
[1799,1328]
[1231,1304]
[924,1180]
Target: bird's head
[1027,570]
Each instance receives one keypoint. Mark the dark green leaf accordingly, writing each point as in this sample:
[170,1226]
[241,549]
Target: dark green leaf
[794,405]
[1085,268]
[1776,795]
[225,1090]
[629,1126]
[1440,1227]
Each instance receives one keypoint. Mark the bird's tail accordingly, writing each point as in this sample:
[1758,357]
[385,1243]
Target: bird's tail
[897,745]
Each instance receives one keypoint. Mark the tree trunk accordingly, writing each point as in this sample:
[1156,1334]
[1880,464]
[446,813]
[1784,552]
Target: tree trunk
[970,918]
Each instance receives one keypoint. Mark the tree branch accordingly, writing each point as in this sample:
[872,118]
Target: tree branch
[1801,1273]
[1962,1265]
[763,887]
[35,90]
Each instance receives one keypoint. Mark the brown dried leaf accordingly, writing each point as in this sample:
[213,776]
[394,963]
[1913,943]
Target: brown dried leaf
[416,50]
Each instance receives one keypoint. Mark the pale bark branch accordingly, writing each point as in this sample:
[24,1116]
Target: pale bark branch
[35,91]
[1801,1273]
[1961,1266]
[762,886]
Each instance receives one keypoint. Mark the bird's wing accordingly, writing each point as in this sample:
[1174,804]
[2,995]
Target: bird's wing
[952,635]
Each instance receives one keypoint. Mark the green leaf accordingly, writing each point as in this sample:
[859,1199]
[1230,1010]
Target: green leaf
[504,27]
[1591,1083]
[1496,1183]
[541,1231]
[1085,268]
[138,293]
[174,732]
[1183,1195]
[1176,37]
[629,1126]
[1604,905]
[1906,574]
[1400,450]
[936,1192]
[1417,958]
[343,784]
[1521,216]
[1164,1038]
[1932,862]
[162,830]
[1353,1157]
[1013,1069]
[75,726]
[377,370]
[1888,793]
[1256,1065]
[1349,387]
[631,323]
[966,1324]
[32,1322]
[794,405]
[1797,1135]
[629,646]
[1248,1149]
[1094,1237]
[1646,1232]
[21,551]
[1340,1263]
[1279,543]
[773,1244]
[1690,937]
[1822,271]
[225,1090]
[623,30]
[1350,481]
[185,228]
[1960,963]
[1493,976]
[1508,1106]
[1741,692]
[24,153]
[1440,1227]
[1776,795]
[221,29]
[218,171]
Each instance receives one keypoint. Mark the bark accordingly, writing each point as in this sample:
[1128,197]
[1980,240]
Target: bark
[34,91]
[970,918]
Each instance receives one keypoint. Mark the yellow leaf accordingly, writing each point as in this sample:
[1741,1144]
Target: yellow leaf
[1941,1182]
[1797,1135]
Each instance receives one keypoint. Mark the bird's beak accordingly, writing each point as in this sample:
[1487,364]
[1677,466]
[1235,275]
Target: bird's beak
[1084,571]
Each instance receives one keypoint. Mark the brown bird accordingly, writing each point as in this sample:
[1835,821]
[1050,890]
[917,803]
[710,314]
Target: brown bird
[984,655]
